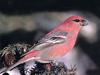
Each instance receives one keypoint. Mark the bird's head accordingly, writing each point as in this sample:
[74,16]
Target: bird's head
[77,20]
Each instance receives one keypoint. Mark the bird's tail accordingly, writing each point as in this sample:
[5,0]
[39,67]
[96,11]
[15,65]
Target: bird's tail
[29,56]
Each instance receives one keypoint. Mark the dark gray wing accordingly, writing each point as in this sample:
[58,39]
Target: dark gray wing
[56,36]
[51,39]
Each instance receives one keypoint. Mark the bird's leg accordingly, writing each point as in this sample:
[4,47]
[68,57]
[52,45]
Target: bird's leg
[52,63]
[48,66]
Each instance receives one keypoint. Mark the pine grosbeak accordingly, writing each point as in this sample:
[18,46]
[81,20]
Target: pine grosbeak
[56,43]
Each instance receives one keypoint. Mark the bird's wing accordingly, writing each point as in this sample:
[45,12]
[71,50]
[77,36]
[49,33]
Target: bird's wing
[51,39]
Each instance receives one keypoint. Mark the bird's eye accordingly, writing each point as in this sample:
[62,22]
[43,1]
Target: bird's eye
[83,20]
[76,20]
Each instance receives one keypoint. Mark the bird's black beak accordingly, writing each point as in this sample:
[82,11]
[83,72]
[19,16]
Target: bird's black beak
[84,22]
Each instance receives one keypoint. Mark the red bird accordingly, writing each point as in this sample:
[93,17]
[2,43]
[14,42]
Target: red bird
[56,43]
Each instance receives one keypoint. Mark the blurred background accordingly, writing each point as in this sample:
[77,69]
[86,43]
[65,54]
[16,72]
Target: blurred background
[26,21]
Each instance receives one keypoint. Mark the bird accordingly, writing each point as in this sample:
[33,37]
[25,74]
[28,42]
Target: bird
[55,44]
